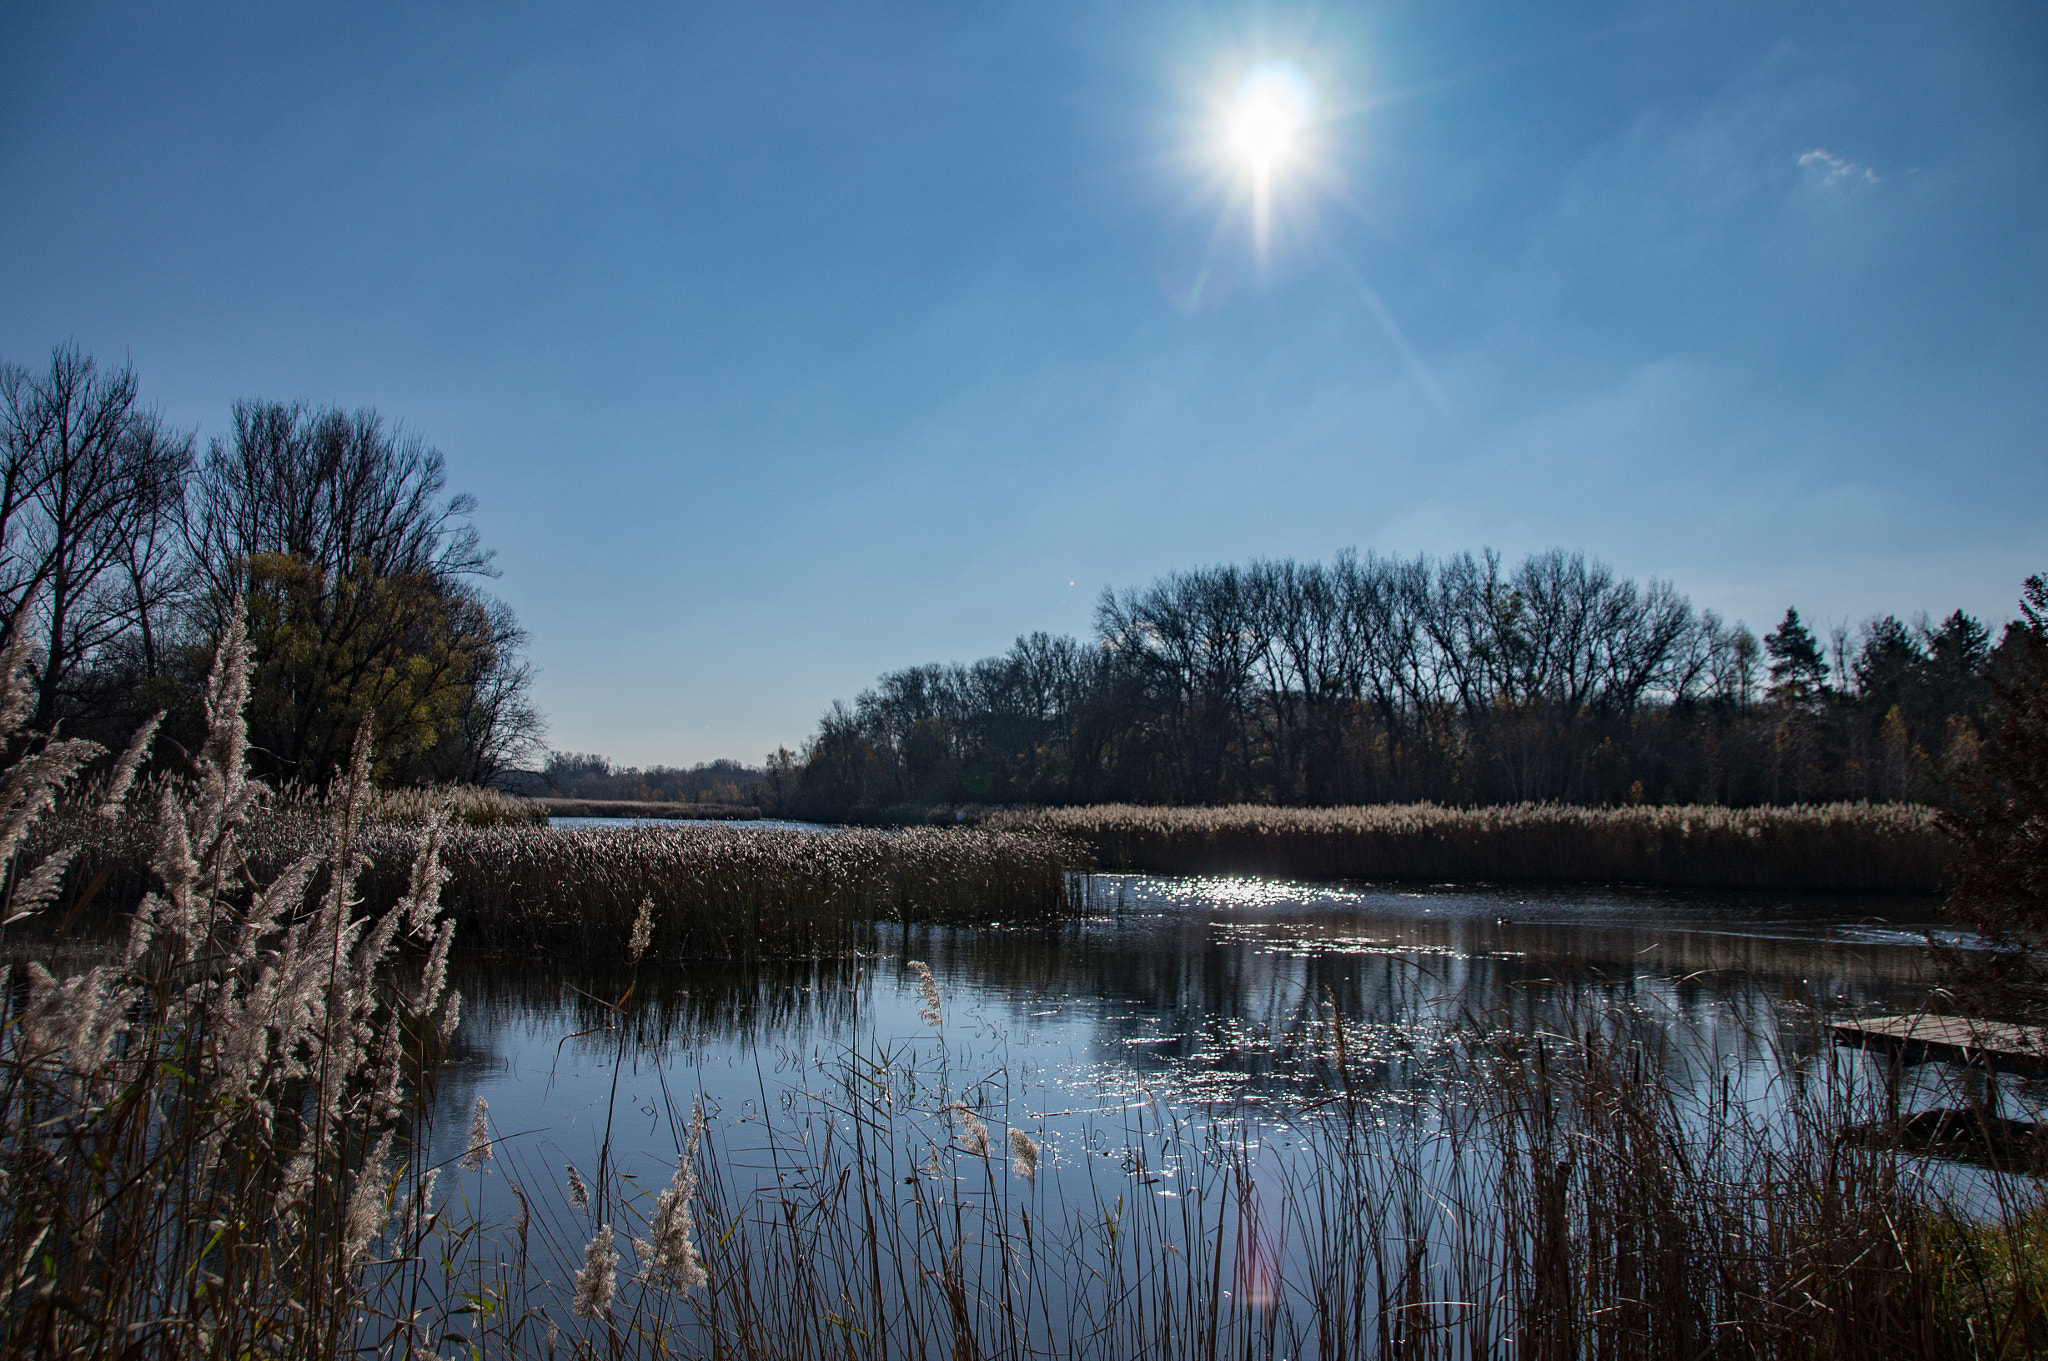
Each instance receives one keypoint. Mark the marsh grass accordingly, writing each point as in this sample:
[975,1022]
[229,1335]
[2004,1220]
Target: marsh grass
[216,1145]
[720,892]
[1844,847]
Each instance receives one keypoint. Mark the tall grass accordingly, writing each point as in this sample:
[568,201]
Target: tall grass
[719,892]
[1847,847]
[201,1147]
[215,1145]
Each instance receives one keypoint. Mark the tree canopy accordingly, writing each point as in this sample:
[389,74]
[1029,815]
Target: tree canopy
[1999,885]
[1461,679]
[124,554]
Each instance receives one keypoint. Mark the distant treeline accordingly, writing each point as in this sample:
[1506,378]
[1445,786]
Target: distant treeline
[586,775]
[1457,680]
[125,545]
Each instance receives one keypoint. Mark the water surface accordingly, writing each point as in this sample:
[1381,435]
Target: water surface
[1192,992]
[1181,1024]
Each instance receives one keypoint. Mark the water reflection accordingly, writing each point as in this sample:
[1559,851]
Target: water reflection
[1210,990]
[1171,1055]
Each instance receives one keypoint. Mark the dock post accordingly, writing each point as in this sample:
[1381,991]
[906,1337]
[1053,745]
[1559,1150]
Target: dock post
[1980,1090]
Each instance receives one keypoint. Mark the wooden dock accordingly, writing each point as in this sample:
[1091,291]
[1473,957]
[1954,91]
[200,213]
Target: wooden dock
[1969,1041]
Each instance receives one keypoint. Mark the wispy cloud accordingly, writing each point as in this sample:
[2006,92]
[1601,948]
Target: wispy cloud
[1832,172]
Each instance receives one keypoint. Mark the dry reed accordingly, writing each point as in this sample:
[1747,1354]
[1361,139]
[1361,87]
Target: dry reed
[197,1137]
[212,1147]
[1843,847]
[720,892]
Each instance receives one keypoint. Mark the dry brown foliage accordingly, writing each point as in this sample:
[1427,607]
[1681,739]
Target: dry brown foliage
[1864,847]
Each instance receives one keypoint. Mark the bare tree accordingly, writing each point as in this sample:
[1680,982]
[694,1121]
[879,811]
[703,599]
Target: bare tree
[1375,678]
[360,574]
[88,489]
[339,490]
[1194,636]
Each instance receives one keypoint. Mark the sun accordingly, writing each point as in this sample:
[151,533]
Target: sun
[1264,133]
[1269,117]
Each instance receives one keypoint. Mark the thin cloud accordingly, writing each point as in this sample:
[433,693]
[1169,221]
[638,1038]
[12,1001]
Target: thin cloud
[1832,171]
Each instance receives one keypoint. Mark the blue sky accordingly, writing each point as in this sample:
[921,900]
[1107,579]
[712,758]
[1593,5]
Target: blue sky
[786,343]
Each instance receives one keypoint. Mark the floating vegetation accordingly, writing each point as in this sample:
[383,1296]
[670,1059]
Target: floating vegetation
[1844,847]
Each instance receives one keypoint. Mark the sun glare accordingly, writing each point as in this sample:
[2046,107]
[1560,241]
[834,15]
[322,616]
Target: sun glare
[1265,129]
[1268,119]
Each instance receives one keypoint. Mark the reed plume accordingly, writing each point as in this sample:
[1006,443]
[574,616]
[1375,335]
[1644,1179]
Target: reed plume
[1873,847]
[597,1282]
[1023,1154]
[206,1123]
[930,1009]
[668,1254]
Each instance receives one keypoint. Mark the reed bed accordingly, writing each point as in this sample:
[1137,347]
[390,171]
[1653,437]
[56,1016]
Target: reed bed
[217,1144]
[1839,847]
[719,892]
[725,892]
[458,805]
[638,808]
[464,805]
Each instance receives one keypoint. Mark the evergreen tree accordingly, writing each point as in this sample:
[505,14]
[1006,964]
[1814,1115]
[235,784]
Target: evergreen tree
[1798,671]
[1956,656]
[1888,669]
[1999,883]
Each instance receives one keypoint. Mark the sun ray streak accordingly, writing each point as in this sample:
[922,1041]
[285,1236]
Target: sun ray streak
[1410,356]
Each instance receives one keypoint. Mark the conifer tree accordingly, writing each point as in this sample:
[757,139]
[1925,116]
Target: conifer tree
[1999,881]
[1798,671]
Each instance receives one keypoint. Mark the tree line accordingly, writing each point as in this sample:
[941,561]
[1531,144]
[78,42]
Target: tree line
[1460,680]
[587,775]
[124,546]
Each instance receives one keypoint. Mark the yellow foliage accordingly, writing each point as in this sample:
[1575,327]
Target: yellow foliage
[335,650]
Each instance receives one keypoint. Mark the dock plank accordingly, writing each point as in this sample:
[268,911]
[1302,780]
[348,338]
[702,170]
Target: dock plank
[1969,1040]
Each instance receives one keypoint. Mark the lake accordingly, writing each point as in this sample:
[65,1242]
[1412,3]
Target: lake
[1122,1043]
[1200,990]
